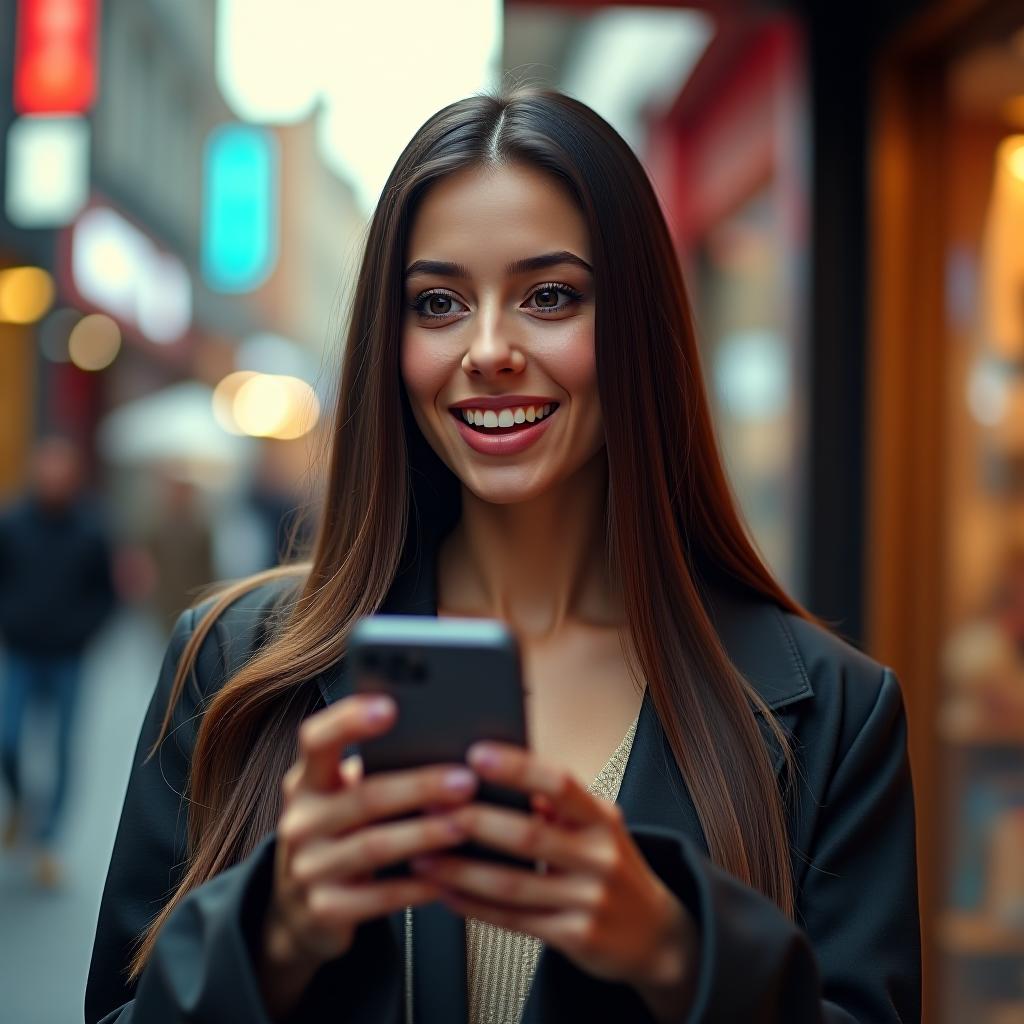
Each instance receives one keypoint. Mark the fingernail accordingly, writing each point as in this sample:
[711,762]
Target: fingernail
[459,780]
[482,756]
[379,708]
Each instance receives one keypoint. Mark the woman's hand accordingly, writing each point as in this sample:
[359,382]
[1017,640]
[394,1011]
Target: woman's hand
[597,901]
[333,834]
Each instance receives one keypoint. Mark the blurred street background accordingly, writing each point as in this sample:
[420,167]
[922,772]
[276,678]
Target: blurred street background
[184,191]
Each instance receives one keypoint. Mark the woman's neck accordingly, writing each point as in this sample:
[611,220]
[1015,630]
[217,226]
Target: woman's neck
[538,564]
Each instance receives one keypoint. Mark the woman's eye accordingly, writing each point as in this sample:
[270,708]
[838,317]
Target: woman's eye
[434,305]
[547,296]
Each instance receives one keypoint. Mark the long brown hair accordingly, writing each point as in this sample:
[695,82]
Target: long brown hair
[672,521]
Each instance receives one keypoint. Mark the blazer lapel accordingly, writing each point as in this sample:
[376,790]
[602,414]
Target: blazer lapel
[757,640]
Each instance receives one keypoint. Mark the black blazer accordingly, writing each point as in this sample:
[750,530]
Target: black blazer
[853,953]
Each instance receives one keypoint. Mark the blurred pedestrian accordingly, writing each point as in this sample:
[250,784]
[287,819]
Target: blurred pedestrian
[55,592]
[276,499]
[180,545]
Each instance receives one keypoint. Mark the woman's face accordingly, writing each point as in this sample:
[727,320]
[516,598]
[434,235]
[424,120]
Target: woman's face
[498,329]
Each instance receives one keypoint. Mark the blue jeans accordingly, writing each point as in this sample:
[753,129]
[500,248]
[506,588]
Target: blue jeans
[49,681]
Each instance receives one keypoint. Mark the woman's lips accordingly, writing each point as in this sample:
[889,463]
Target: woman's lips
[510,443]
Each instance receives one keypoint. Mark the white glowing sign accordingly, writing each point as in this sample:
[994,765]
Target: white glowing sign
[47,170]
[118,268]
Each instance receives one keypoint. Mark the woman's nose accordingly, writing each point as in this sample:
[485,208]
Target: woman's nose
[492,351]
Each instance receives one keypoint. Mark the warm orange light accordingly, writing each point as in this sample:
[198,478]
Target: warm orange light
[265,405]
[1002,257]
[26,293]
[273,405]
[1013,154]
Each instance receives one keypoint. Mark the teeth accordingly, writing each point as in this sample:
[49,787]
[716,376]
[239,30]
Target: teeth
[506,417]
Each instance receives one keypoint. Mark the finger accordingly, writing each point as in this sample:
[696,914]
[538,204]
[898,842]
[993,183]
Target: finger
[519,769]
[347,903]
[324,735]
[533,838]
[508,886]
[352,770]
[374,847]
[383,796]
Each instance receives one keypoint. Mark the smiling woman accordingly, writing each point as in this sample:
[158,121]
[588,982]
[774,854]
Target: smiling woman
[716,782]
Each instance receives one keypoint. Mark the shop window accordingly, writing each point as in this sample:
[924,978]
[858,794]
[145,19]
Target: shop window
[751,363]
[981,715]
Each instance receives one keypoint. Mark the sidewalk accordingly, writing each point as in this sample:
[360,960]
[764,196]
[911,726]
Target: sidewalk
[46,936]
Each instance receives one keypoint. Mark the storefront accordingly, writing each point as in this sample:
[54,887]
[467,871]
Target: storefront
[730,160]
[946,524]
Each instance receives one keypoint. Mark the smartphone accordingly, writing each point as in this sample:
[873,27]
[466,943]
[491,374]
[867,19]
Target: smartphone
[455,681]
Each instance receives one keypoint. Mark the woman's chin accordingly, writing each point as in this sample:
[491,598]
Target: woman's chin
[509,486]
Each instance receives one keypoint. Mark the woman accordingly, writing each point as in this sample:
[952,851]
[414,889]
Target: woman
[758,863]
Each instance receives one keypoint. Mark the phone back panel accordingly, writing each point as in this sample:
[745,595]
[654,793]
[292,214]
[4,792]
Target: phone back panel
[455,681]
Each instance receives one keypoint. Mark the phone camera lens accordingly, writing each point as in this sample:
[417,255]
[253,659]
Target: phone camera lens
[417,670]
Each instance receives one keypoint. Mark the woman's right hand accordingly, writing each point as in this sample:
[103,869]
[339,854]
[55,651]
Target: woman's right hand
[334,833]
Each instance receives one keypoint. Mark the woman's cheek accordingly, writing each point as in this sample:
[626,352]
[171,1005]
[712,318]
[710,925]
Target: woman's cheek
[574,366]
[580,379]
[424,374]
[570,357]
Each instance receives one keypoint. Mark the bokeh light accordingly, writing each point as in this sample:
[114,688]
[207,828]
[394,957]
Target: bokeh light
[26,293]
[275,406]
[47,170]
[94,342]
[224,399]
[1013,150]
[117,267]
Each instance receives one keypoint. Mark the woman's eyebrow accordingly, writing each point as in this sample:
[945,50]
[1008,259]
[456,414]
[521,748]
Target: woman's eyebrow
[442,268]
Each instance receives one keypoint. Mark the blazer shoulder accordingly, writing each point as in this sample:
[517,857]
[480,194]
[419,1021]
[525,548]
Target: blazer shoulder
[238,630]
[844,679]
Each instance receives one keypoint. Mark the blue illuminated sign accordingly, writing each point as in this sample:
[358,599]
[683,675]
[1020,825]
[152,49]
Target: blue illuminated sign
[240,207]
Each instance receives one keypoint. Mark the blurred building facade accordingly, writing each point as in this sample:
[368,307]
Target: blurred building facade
[132,258]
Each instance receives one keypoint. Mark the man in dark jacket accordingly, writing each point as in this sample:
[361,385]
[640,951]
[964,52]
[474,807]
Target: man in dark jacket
[55,592]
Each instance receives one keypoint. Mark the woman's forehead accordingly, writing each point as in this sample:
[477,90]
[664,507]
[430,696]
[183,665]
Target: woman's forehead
[500,214]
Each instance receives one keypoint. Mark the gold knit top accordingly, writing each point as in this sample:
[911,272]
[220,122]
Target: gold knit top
[500,964]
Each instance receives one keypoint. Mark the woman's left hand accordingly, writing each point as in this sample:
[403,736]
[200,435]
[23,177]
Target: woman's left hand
[598,902]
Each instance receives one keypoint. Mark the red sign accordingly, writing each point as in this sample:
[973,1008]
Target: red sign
[55,56]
